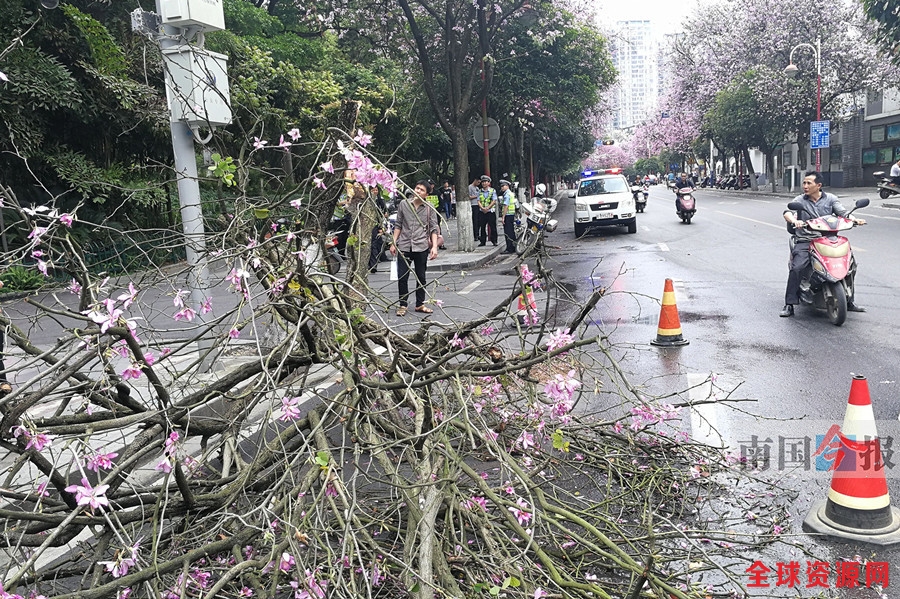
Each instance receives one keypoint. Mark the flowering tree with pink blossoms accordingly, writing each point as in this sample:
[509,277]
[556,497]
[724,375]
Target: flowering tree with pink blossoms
[451,458]
[729,39]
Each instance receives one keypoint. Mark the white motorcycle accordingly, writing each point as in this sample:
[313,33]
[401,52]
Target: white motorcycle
[534,222]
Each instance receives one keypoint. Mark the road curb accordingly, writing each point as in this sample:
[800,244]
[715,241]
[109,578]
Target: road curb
[465,263]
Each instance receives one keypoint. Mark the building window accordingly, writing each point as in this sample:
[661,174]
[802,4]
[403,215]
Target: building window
[893,131]
[835,154]
[885,155]
[876,134]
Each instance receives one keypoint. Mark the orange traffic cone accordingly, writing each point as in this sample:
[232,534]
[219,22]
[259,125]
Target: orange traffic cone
[858,506]
[668,334]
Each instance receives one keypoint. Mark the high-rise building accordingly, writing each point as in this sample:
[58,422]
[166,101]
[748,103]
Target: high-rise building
[636,58]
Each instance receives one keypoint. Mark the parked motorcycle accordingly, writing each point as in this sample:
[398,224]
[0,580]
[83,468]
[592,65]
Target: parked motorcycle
[685,205]
[534,222]
[640,193]
[340,228]
[886,186]
[830,283]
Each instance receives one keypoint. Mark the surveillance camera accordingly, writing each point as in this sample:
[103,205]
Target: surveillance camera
[49,4]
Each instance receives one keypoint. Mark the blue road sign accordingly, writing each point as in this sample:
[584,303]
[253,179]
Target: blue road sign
[819,135]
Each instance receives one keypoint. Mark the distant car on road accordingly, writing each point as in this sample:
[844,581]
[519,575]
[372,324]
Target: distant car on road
[604,199]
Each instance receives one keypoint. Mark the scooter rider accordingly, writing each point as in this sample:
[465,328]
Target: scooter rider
[895,173]
[816,203]
[681,183]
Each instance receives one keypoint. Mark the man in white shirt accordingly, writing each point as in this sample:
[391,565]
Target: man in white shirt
[895,173]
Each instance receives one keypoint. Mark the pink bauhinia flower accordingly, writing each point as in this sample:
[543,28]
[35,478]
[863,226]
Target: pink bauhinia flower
[362,139]
[85,494]
[526,439]
[558,339]
[74,287]
[320,184]
[258,143]
[36,441]
[282,143]
[286,562]
[521,512]
[187,314]
[294,134]
[234,333]
[132,372]
[66,219]
[100,460]
[127,298]
[296,203]
[457,341]
[327,167]
[290,409]
[206,306]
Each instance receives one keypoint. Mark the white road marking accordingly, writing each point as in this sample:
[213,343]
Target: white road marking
[704,417]
[645,228]
[759,222]
[663,247]
[753,220]
[470,287]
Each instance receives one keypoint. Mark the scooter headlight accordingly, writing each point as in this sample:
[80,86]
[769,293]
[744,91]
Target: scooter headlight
[818,267]
[551,225]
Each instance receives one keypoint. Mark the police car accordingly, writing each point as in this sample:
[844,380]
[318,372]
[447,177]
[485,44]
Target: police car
[604,199]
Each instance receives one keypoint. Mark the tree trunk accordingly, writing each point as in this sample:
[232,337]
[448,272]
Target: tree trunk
[520,157]
[770,167]
[465,234]
[750,170]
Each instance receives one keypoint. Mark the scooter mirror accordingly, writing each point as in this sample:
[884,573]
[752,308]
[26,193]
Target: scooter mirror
[862,202]
[795,206]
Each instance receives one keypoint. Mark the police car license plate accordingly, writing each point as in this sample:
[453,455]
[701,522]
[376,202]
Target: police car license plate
[603,215]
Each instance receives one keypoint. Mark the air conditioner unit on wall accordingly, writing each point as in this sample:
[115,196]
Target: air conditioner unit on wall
[208,15]
[197,86]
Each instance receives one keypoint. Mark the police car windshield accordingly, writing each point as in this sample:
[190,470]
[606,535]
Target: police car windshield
[593,187]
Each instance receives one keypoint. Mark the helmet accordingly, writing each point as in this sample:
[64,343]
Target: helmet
[540,189]
[504,182]
[485,178]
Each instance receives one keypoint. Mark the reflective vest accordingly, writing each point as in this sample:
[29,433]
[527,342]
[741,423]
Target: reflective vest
[509,200]
[485,197]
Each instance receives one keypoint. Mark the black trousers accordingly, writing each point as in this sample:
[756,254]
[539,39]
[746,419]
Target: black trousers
[487,227]
[476,219]
[509,231]
[419,261]
[799,264]
[3,378]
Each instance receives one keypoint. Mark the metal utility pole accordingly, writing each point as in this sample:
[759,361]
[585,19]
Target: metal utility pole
[197,91]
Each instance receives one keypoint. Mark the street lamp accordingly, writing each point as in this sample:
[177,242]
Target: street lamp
[791,71]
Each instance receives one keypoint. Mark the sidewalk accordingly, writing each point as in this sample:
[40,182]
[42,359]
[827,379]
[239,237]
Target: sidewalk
[845,193]
[452,259]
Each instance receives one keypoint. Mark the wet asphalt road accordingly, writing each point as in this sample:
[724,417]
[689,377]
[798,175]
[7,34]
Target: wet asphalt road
[729,268]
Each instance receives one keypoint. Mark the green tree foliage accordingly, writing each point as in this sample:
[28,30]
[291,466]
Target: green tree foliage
[77,112]
[553,117]
[885,15]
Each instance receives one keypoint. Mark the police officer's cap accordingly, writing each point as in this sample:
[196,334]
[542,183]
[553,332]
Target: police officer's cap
[504,182]
[485,178]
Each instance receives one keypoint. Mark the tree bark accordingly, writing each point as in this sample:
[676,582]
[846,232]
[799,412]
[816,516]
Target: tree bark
[465,233]
[750,170]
